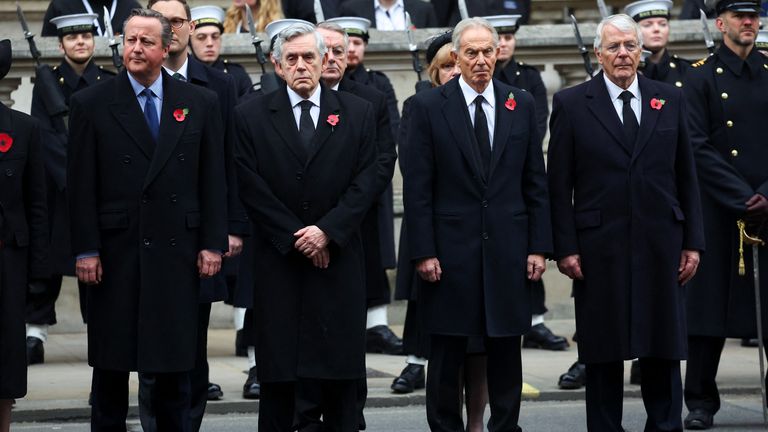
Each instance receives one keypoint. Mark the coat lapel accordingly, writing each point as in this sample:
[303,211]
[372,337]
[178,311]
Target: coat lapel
[329,104]
[6,125]
[504,120]
[170,129]
[456,114]
[284,123]
[129,115]
[648,116]
[600,104]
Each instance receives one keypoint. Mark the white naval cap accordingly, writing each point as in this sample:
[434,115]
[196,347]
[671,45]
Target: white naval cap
[761,43]
[208,15]
[75,23]
[504,23]
[277,26]
[354,26]
[643,9]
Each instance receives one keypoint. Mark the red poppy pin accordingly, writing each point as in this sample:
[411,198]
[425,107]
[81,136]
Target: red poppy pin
[657,103]
[333,120]
[6,141]
[511,103]
[180,114]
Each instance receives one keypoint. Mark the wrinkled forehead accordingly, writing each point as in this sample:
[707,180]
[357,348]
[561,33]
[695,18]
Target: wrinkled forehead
[476,38]
[612,34]
[143,26]
[300,45]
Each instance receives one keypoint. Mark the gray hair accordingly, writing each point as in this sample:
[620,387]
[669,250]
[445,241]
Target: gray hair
[623,22]
[294,31]
[166,36]
[469,23]
[336,28]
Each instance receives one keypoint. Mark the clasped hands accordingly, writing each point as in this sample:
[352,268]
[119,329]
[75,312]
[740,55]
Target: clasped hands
[429,268]
[312,242]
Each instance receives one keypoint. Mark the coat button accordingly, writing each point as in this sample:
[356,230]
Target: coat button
[719,70]
[180,156]
[485,203]
[305,205]
[729,123]
[172,241]
[144,199]
[734,152]
[147,242]
[174,198]
[485,236]
[678,84]
[9,172]
[126,159]
[724,95]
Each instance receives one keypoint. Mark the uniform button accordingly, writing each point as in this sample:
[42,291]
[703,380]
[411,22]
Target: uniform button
[672,65]
[517,73]
[719,70]
[144,199]
[172,241]
[678,84]
[729,123]
[485,203]
[126,159]
[147,242]
[485,236]
[765,66]
[174,198]
[724,95]
[180,156]
[305,205]
[9,172]
[734,152]
[98,77]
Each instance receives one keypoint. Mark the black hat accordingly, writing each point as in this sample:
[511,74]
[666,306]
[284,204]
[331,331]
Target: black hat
[6,58]
[437,43]
[737,6]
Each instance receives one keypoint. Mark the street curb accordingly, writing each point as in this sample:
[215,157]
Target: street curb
[82,412]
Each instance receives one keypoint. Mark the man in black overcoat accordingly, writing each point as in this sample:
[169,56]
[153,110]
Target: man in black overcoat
[627,226]
[478,223]
[149,219]
[727,97]
[306,172]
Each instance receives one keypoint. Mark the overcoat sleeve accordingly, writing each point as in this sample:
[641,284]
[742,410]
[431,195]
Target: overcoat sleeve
[561,173]
[213,182]
[688,186]
[535,194]
[82,180]
[385,146]
[36,208]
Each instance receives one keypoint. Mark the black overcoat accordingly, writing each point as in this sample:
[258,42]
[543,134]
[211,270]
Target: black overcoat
[728,99]
[148,209]
[628,211]
[310,322]
[480,228]
[24,236]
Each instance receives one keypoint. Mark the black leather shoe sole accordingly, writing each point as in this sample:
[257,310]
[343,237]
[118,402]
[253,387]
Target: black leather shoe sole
[404,386]
[560,346]
[698,420]
[214,392]
[35,351]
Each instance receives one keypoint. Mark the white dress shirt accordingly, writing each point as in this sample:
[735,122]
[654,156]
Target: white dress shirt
[614,91]
[314,112]
[489,105]
[182,70]
[389,19]
[157,89]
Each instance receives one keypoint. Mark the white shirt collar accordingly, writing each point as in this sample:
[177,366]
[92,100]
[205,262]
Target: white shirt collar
[470,94]
[295,98]
[182,70]
[614,91]
[156,87]
[394,7]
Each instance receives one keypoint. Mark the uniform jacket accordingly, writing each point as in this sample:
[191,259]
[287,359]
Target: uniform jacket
[148,209]
[310,321]
[727,105]
[526,77]
[628,210]
[422,13]
[54,140]
[24,235]
[68,7]
[671,69]
[242,79]
[481,227]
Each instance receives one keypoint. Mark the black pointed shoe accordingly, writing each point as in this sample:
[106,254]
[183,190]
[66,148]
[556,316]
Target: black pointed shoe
[35,351]
[539,336]
[252,388]
[698,419]
[381,339]
[214,392]
[410,379]
[575,378]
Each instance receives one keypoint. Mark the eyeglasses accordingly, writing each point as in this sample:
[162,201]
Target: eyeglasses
[629,46]
[177,22]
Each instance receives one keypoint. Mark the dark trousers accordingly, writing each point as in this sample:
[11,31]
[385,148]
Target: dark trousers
[324,405]
[700,373]
[164,400]
[538,297]
[505,382]
[660,385]
[277,406]
[199,378]
[41,307]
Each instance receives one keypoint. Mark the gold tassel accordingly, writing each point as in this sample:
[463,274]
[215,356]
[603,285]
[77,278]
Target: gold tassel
[742,267]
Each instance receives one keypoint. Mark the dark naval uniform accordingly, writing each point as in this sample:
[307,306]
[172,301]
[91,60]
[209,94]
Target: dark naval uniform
[671,69]
[59,8]
[727,102]
[242,79]
[379,294]
[54,140]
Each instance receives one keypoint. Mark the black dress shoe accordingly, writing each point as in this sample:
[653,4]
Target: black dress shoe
[241,348]
[380,339]
[698,419]
[750,343]
[575,378]
[634,373]
[412,377]
[35,351]
[542,337]
[252,388]
[214,392]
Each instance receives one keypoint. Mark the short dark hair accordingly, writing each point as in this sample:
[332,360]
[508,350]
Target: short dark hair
[166,36]
[151,3]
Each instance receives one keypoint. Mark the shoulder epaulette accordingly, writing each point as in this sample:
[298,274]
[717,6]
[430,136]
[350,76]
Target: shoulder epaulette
[701,62]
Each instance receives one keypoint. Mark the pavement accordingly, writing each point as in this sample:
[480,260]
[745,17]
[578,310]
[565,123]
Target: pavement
[58,390]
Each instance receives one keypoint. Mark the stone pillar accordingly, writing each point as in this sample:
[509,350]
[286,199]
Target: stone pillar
[8,86]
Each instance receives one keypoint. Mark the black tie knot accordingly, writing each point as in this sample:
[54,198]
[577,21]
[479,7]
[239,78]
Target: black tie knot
[305,105]
[626,96]
[479,101]
[147,93]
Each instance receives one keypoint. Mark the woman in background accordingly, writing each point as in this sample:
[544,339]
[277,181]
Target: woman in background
[264,12]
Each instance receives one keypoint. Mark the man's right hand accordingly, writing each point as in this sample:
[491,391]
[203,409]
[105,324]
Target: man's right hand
[88,270]
[571,266]
[429,269]
[757,209]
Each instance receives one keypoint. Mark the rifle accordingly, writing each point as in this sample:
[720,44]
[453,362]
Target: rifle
[267,81]
[582,49]
[319,15]
[463,11]
[53,97]
[414,49]
[113,43]
[705,30]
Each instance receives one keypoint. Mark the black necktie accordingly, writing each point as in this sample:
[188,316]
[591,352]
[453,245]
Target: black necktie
[179,76]
[481,134]
[630,121]
[306,125]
